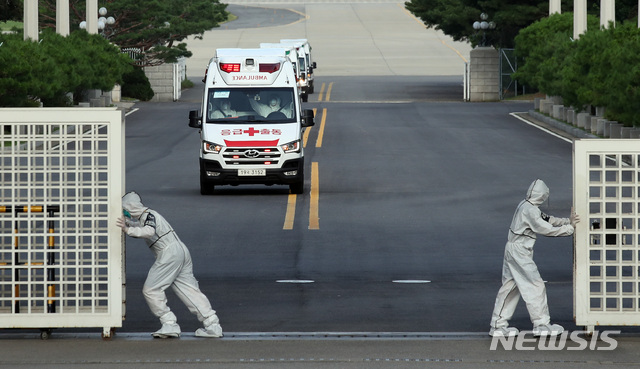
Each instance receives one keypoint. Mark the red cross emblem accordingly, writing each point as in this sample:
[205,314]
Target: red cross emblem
[251,131]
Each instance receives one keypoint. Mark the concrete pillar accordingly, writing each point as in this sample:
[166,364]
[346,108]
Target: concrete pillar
[607,13]
[30,19]
[554,7]
[579,18]
[92,16]
[484,75]
[62,17]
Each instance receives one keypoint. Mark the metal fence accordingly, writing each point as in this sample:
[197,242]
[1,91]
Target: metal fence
[607,250]
[61,257]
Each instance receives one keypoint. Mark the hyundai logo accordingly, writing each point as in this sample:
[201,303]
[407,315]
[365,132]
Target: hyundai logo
[252,153]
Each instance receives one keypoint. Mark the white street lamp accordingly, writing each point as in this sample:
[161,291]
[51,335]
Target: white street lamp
[483,25]
[103,21]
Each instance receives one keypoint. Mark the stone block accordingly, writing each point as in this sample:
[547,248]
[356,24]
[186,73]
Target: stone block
[570,116]
[615,130]
[625,132]
[536,103]
[582,119]
[558,112]
[600,124]
[594,124]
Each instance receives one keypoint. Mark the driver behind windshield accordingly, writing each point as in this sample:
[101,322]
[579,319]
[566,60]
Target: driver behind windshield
[222,109]
[273,104]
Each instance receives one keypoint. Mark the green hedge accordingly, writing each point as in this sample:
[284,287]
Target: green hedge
[49,70]
[601,68]
[136,85]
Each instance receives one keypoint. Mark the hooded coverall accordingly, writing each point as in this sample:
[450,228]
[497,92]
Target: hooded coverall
[172,267]
[520,274]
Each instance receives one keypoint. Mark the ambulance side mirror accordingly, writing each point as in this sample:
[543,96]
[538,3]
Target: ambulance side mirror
[195,120]
[314,65]
[307,118]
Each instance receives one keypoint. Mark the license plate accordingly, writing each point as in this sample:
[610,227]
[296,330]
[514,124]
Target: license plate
[252,172]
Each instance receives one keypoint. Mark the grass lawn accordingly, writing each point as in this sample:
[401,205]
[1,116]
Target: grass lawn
[8,26]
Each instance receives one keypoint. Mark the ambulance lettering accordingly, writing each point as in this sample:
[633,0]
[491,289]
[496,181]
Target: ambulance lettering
[251,132]
[248,78]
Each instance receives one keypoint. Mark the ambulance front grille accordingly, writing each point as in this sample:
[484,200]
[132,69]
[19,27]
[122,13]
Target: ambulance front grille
[251,156]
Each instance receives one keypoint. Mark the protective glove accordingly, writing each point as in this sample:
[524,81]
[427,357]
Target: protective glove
[574,219]
[122,224]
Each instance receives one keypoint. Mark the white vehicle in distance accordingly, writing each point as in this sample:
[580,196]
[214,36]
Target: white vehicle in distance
[297,61]
[251,121]
[310,65]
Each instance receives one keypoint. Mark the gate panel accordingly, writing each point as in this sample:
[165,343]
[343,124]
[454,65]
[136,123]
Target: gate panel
[61,255]
[607,249]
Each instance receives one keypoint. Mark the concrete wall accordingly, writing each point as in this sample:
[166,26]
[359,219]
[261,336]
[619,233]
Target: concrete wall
[484,76]
[166,80]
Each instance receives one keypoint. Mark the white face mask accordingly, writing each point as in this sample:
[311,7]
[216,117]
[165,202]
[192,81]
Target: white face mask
[225,105]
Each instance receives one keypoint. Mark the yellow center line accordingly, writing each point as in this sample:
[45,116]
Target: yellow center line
[321,130]
[314,220]
[329,92]
[291,212]
[321,93]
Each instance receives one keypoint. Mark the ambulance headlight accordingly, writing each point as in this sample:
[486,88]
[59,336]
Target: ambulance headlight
[292,146]
[211,148]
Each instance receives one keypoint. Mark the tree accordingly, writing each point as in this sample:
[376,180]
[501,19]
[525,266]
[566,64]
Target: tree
[10,10]
[156,27]
[605,71]
[26,72]
[46,71]
[455,17]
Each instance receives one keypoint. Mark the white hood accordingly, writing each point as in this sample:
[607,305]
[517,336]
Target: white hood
[132,203]
[538,192]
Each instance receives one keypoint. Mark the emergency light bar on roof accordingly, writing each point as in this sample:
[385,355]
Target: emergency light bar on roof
[248,53]
[252,66]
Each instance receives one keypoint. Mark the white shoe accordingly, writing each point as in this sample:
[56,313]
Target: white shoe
[168,330]
[504,332]
[550,330]
[212,331]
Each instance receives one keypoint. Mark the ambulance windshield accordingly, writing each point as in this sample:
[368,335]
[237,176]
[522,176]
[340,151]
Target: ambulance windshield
[251,104]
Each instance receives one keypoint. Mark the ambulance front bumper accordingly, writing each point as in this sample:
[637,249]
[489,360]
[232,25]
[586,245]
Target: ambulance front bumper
[212,172]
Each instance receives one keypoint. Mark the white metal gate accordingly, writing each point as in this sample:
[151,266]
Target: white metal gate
[61,255]
[607,250]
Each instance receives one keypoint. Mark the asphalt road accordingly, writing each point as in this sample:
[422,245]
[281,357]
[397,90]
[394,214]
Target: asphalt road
[415,186]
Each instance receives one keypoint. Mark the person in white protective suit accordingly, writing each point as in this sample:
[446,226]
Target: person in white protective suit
[272,105]
[223,110]
[520,276]
[172,267]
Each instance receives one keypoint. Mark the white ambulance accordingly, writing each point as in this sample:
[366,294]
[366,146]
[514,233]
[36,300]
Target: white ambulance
[297,60]
[251,121]
[305,49]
